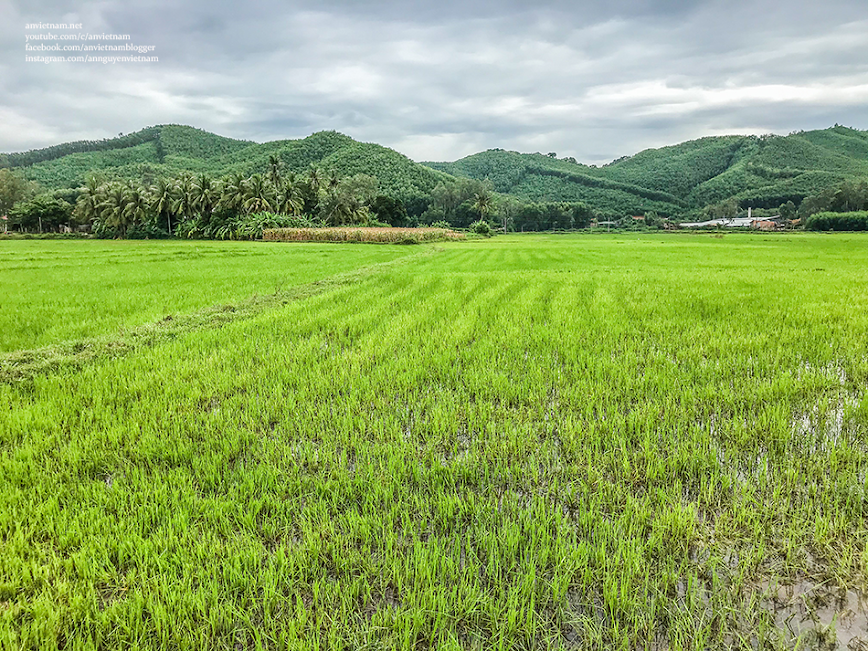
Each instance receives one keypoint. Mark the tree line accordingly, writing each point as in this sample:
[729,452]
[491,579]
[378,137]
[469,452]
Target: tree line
[34,156]
[238,206]
[233,206]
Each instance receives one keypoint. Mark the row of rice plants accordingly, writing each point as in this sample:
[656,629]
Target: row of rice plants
[55,291]
[536,444]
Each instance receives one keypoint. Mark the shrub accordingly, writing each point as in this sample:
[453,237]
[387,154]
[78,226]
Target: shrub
[146,232]
[389,210]
[838,221]
[253,226]
[441,223]
[481,227]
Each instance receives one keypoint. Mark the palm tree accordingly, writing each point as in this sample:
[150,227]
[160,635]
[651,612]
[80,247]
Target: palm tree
[205,195]
[332,182]
[162,198]
[112,208]
[87,207]
[314,179]
[137,208]
[232,192]
[483,203]
[258,196]
[343,204]
[311,190]
[183,204]
[275,165]
[289,199]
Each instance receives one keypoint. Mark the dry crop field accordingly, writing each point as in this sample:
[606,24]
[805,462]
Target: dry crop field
[381,235]
[541,442]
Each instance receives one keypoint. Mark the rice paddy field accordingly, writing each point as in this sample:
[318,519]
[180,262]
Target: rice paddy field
[66,290]
[530,442]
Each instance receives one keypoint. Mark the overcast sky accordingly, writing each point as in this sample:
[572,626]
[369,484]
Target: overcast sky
[440,80]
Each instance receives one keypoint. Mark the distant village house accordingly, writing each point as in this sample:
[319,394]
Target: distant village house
[759,223]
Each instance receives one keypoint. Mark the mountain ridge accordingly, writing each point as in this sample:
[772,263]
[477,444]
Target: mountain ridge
[169,150]
[762,171]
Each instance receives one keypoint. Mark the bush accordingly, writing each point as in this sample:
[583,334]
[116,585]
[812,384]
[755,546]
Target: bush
[253,226]
[481,227]
[389,210]
[838,221]
[146,232]
[441,223]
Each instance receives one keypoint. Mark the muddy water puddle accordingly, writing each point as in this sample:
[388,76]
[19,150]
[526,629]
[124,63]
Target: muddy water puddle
[818,615]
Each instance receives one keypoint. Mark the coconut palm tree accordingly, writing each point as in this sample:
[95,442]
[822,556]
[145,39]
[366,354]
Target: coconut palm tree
[289,197]
[232,192]
[205,195]
[87,207]
[162,198]
[314,179]
[112,208]
[258,196]
[343,203]
[483,203]
[137,207]
[275,167]
[311,189]
[183,204]
[332,182]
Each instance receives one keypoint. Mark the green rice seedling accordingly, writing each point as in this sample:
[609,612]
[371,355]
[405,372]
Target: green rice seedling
[526,442]
[56,291]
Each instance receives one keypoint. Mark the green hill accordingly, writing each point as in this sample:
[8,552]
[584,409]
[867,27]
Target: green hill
[760,171]
[172,149]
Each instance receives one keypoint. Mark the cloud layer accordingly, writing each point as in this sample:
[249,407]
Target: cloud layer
[593,80]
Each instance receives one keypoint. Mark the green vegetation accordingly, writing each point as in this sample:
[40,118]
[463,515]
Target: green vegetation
[481,228]
[233,207]
[41,213]
[150,134]
[595,442]
[171,151]
[57,291]
[201,206]
[762,172]
[367,183]
[13,188]
[538,178]
[845,197]
[838,221]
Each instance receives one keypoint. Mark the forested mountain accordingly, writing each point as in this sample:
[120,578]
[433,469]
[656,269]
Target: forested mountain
[166,151]
[763,172]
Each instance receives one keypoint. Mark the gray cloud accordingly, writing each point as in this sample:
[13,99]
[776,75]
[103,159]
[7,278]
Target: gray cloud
[443,79]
